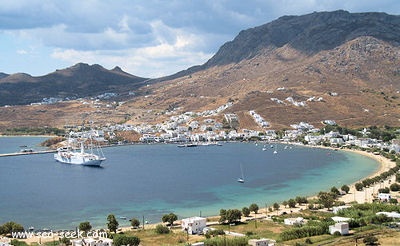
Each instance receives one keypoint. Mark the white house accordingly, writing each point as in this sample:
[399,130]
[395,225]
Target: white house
[194,225]
[393,215]
[340,219]
[384,196]
[92,242]
[294,221]
[336,209]
[341,227]
[261,242]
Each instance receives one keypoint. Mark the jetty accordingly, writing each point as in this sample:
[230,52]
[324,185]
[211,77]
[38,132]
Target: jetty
[28,153]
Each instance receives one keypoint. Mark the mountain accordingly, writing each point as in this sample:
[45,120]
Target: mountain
[349,61]
[322,66]
[309,34]
[2,75]
[80,80]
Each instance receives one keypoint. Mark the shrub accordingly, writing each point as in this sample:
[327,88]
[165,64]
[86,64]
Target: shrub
[395,187]
[370,240]
[119,240]
[162,229]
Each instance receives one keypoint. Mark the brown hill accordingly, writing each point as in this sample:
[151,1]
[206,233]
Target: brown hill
[80,80]
[329,65]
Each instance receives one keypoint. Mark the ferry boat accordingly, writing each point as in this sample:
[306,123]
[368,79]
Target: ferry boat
[68,156]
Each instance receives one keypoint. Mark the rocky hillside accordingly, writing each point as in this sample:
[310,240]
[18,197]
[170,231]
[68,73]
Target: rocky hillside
[350,62]
[80,80]
[329,65]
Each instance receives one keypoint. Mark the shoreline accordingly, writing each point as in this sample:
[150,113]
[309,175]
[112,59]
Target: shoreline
[359,196]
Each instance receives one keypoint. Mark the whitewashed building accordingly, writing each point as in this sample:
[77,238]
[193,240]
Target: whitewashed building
[92,242]
[194,225]
[341,227]
[261,242]
[384,197]
[294,221]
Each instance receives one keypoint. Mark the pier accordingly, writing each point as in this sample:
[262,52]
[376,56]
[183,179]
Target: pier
[28,153]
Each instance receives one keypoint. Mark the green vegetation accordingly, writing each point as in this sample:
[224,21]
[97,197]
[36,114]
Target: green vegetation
[135,222]
[254,208]
[34,131]
[85,226]
[229,216]
[246,211]
[162,229]
[112,224]
[119,240]
[170,218]
[9,227]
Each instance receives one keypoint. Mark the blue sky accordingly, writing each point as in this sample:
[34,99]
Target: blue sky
[147,38]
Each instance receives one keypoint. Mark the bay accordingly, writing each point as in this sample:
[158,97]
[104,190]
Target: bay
[151,180]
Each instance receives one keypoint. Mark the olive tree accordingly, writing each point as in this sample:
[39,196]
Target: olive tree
[170,218]
[112,223]
[254,208]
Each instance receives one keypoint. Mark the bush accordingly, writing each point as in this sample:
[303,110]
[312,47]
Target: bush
[65,241]
[215,233]
[395,187]
[162,229]
[125,240]
[370,240]
[15,242]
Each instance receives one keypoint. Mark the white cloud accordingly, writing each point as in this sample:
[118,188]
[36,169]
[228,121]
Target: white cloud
[147,38]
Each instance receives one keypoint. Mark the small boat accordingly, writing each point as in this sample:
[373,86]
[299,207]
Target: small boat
[241,179]
[122,217]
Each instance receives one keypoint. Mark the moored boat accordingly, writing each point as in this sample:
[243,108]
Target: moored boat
[67,155]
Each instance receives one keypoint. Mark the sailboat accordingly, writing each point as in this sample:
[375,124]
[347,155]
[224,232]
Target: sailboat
[68,156]
[275,151]
[241,179]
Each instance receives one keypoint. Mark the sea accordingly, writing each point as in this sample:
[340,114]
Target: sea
[146,181]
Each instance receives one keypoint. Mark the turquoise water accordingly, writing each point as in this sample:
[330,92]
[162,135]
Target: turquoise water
[151,180]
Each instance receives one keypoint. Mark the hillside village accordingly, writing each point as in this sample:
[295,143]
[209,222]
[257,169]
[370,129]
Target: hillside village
[206,128]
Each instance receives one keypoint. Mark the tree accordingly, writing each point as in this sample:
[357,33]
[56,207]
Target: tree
[292,203]
[300,200]
[135,222]
[254,208]
[359,186]
[326,199]
[170,218]
[222,214]
[276,206]
[233,215]
[395,187]
[345,188]
[230,215]
[9,227]
[285,203]
[85,226]
[246,211]
[112,223]
[335,191]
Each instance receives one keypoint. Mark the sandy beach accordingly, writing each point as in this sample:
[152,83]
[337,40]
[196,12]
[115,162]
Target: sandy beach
[367,194]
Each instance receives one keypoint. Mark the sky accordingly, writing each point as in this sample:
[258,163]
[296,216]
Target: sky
[147,38]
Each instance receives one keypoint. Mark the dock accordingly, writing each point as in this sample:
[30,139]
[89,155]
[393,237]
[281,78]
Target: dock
[28,153]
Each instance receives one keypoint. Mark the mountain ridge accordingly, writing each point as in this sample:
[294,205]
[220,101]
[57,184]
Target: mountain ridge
[79,80]
[329,65]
